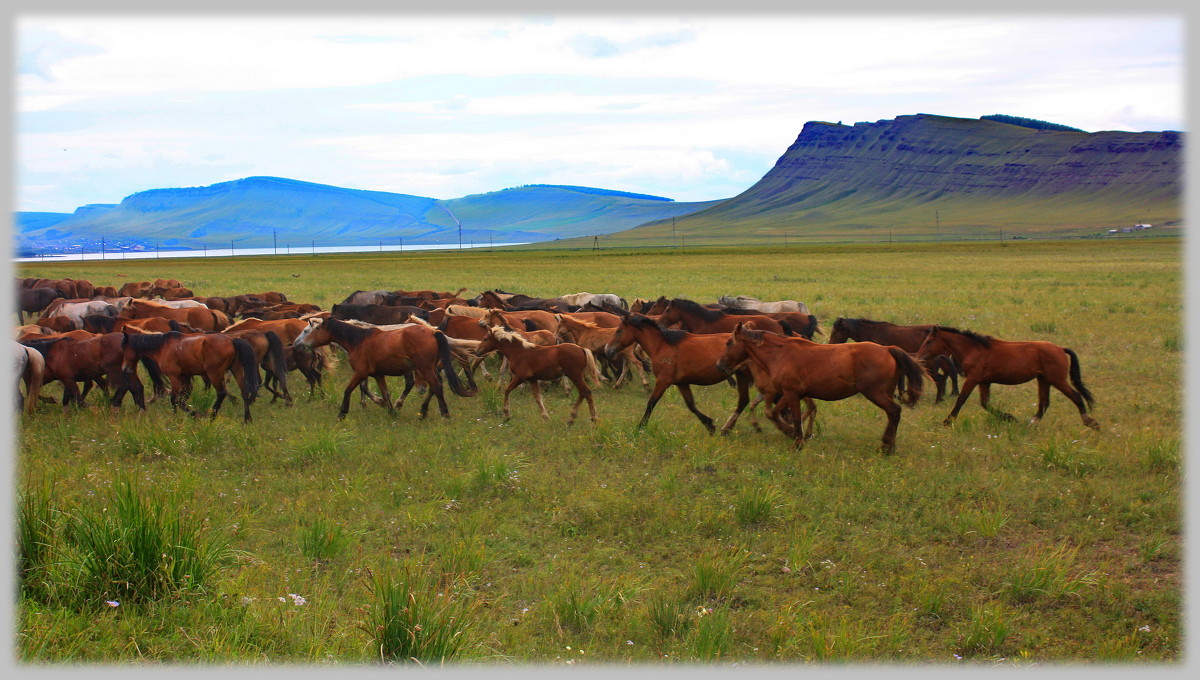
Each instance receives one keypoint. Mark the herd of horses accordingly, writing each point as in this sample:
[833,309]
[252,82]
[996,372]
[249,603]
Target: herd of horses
[99,335]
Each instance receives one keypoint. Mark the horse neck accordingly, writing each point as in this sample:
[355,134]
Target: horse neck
[958,345]
[765,351]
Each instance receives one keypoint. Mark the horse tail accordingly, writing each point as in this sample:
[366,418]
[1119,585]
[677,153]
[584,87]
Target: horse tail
[448,367]
[278,360]
[813,328]
[787,328]
[910,375]
[157,381]
[1077,380]
[245,356]
[592,370]
[530,326]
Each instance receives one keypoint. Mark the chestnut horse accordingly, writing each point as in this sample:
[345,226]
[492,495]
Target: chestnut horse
[375,353]
[592,336]
[98,358]
[530,363]
[800,368]
[679,358]
[986,360]
[907,338]
[179,357]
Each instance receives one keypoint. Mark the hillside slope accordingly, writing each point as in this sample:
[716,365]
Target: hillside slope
[923,173]
[255,211]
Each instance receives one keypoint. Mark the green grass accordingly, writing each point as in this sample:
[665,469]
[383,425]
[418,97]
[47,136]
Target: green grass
[989,540]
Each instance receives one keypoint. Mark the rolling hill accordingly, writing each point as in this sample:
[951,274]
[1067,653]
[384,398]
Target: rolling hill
[255,211]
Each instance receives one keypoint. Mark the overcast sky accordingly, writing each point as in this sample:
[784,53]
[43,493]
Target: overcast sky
[688,107]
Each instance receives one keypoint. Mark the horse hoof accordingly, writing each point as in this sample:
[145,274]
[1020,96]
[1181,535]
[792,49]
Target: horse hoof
[947,422]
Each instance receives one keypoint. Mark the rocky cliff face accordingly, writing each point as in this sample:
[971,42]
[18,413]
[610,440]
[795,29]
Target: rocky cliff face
[875,174]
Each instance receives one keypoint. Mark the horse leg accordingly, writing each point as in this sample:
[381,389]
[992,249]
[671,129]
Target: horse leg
[660,388]
[686,391]
[1076,398]
[985,393]
[512,385]
[381,381]
[537,397]
[435,390]
[218,382]
[883,400]
[355,381]
[408,385]
[968,385]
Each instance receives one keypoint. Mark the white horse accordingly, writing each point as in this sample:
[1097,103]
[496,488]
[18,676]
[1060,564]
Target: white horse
[595,299]
[30,367]
[746,302]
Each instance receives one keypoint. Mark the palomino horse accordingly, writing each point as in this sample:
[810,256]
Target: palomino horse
[179,357]
[531,363]
[800,368]
[986,360]
[695,318]
[378,354]
[907,338]
[30,367]
[679,358]
[590,336]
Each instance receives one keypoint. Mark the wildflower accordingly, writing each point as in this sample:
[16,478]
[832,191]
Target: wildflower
[1145,629]
[114,603]
[297,599]
[629,642]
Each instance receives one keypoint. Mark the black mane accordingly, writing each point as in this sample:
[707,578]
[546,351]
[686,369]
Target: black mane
[347,332]
[669,335]
[697,309]
[985,340]
[149,342]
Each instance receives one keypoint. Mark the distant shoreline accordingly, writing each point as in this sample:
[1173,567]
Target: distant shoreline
[240,252]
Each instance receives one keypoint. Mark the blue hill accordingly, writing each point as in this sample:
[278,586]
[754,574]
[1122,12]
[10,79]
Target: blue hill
[258,211]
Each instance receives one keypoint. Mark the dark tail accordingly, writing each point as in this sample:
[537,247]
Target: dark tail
[911,374]
[245,356]
[448,367]
[813,328]
[1077,380]
[278,360]
[530,326]
[787,328]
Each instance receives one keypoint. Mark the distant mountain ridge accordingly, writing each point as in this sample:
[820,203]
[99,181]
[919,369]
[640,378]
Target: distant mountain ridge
[923,172]
[260,211]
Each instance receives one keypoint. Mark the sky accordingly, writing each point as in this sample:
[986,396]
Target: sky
[691,107]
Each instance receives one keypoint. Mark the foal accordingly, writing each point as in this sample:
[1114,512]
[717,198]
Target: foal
[531,363]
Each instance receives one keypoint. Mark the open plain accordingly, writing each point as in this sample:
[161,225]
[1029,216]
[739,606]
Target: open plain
[525,541]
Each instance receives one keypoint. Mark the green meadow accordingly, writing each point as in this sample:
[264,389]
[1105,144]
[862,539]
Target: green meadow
[298,539]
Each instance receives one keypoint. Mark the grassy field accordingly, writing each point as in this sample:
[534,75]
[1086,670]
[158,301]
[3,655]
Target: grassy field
[299,539]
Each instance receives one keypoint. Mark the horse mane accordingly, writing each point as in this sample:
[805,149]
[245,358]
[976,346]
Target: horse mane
[587,325]
[347,332]
[149,342]
[979,339]
[693,307]
[669,335]
[463,310]
[855,326]
[512,336]
[753,335]
[736,301]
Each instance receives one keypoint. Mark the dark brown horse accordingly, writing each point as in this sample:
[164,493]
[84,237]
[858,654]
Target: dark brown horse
[377,353]
[696,318]
[907,338]
[34,300]
[800,368]
[530,363]
[98,359]
[679,358]
[211,355]
[986,360]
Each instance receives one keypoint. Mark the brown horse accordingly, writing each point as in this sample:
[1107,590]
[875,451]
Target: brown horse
[179,357]
[196,317]
[679,358]
[800,368]
[907,338]
[696,318]
[268,351]
[531,363]
[986,360]
[377,353]
[592,336]
[98,358]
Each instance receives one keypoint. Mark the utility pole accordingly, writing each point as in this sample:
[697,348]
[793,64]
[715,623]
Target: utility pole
[101,247]
[275,241]
[595,243]
[937,221]
[672,232]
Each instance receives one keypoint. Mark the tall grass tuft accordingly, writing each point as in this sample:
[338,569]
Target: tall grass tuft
[1062,457]
[986,632]
[714,577]
[142,547]
[575,606]
[322,541]
[1163,456]
[1048,327]
[35,540]
[714,634]
[417,616]
[669,617]
[1047,573]
[758,505]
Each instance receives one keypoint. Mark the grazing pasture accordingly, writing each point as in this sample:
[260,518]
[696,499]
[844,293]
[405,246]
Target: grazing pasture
[301,539]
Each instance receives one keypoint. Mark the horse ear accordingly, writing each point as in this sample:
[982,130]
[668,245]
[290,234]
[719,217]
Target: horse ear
[739,327]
